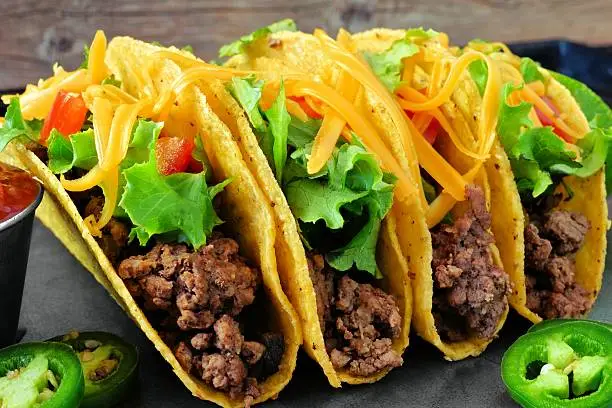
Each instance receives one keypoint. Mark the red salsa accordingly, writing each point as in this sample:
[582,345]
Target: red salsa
[17,191]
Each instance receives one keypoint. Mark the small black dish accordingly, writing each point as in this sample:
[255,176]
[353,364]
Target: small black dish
[15,234]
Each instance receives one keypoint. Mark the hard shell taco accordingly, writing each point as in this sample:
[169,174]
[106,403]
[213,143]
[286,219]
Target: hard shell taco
[338,251]
[547,183]
[159,193]
[461,295]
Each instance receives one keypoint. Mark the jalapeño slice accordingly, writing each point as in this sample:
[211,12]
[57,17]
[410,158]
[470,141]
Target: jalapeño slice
[110,366]
[42,375]
[562,365]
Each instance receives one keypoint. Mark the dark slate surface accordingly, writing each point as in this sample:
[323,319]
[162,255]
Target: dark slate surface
[61,295]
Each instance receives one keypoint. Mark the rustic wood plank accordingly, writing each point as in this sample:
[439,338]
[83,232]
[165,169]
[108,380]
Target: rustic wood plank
[36,33]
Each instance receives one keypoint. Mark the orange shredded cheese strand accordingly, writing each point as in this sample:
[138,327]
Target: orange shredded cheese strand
[91,179]
[296,110]
[37,103]
[436,75]
[445,93]
[95,62]
[120,133]
[102,112]
[538,87]
[422,120]
[445,202]
[110,188]
[362,73]
[445,124]
[331,127]
[530,96]
[361,126]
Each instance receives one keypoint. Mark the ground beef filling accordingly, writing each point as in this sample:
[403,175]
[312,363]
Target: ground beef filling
[199,296]
[359,321]
[114,235]
[470,291]
[551,242]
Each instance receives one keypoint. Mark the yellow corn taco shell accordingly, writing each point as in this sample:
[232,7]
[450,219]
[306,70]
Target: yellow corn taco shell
[378,40]
[285,53]
[245,211]
[509,222]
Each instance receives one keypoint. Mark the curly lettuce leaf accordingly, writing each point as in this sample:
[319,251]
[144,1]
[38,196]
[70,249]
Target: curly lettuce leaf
[512,120]
[179,204]
[360,251]
[78,150]
[538,154]
[271,127]
[387,65]
[350,195]
[599,115]
[15,127]
[278,121]
[239,46]
[530,70]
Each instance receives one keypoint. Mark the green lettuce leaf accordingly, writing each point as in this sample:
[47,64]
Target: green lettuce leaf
[179,204]
[247,92]
[530,70]
[350,195]
[15,127]
[79,150]
[387,65]
[479,73]
[599,115]
[85,61]
[512,119]
[360,251]
[311,201]
[240,45]
[279,120]
[420,33]
[301,133]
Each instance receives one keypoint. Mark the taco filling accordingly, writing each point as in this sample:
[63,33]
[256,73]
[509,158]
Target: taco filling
[339,207]
[198,299]
[151,210]
[470,290]
[552,238]
[546,143]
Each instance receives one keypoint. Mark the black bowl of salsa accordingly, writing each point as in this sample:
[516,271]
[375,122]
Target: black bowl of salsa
[20,194]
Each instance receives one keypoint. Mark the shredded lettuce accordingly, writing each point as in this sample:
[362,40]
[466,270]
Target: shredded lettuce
[79,150]
[341,207]
[530,70]
[387,65]
[538,156]
[351,195]
[179,205]
[240,45]
[15,127]
[271,126]
[479,73]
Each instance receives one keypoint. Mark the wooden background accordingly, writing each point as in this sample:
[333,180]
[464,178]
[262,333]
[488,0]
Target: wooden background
[35,33]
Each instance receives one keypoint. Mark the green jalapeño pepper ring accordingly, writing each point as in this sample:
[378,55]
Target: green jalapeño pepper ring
[42,375]
[109,366]
[567,365]
[545,324]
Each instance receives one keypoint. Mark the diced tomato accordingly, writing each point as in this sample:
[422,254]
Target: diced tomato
[409,114]
[431,133]
[67,115]
[173,154]
[195,166]
[306,107]
[546,121]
